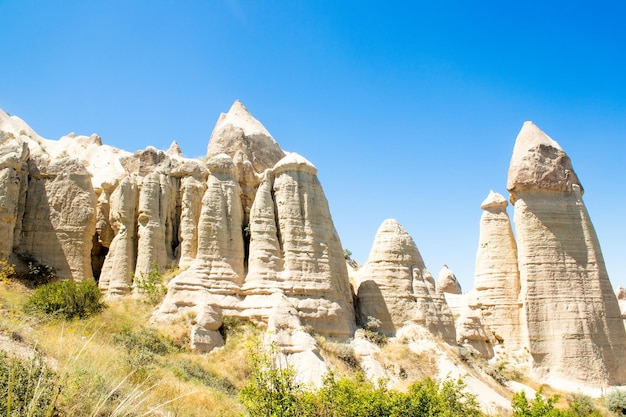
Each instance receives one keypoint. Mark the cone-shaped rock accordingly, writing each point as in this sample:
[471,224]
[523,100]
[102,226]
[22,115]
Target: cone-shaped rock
[447,282]
[575,330]
[497,282]
[242,137]
[295,249]
[396,288]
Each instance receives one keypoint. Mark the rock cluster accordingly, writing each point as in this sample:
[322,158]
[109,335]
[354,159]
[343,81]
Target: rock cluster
[251,234]
[395,287]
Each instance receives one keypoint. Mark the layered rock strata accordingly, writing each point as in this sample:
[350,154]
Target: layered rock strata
[575,330]
[395,287]
[497,281]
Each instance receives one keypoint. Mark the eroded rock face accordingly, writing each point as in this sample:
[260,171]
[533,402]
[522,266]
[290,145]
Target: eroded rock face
[296,347]
[447,282]
[14,179]
[396,288]
[575,330]
[621,299]
[497,281]
[472,331]
[295,251]
[60,217]
[217,271]
[119,265]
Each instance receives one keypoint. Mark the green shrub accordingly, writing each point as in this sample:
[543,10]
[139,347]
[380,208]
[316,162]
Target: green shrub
[539,407]
[145,340]
[151,285]
[188,370]
[27,388]
[273,391]
[581,405]
[615,401]
[67,299]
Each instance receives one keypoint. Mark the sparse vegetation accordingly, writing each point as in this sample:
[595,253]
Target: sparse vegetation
[36,273]
[151,285]
[27,387]
[67,299]
[272,391]
[7,270]
[615,401]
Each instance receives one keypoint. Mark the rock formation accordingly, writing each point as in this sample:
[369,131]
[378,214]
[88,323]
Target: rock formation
[14,154]
[252,148]
[575,331]
[285,244]
[471,331]
[447,282]
[497,282]
[395,287]
[60,216]
[296,347]
[621,299]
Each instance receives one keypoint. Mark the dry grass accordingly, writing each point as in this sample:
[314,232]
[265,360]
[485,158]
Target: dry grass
[407,365]
[98,376]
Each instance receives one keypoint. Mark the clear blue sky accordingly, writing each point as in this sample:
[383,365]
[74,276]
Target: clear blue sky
[409,109]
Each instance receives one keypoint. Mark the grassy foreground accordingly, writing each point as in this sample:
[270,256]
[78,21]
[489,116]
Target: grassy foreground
[113,364]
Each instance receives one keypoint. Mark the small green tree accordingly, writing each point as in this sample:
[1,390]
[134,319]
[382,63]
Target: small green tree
[151,285]
[272,390]
[539,407]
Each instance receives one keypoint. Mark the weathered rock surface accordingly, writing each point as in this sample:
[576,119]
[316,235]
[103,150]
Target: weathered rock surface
[575,330]
[621,299]
[60,217]
[296,347]
[119,265]
[497,282]
[447,282]
[396,288]
[14,154]
[471,331]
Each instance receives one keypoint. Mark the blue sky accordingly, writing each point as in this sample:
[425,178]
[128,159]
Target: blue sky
[409,109]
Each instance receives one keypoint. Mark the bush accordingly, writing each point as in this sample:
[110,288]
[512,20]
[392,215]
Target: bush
[581,405]
[272,391]
[27,388]
[37,273]
[67,299]
[192,371]
[6,270]
[539,407]
[151,285]
[615,401]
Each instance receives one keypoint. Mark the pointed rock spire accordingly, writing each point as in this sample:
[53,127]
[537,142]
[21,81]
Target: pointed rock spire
[575,330]
[447,282]
[538,162]
[174,150]
[253,150]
